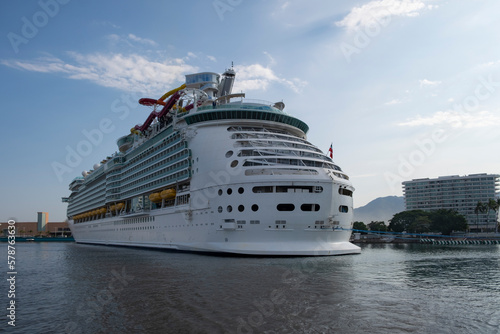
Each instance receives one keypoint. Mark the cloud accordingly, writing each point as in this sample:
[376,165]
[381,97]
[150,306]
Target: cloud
[191,55]
[258,77]
[142,40]
[456,119]
[392,102]
[426,82]
[125,72]
[138,73]
[378,11]
[130,40]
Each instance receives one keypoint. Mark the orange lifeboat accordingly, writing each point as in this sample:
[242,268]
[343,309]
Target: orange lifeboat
[168,194]
[155,197]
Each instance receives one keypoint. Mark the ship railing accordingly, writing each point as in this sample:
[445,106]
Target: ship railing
[245,104]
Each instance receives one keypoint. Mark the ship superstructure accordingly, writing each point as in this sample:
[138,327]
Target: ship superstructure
[212,171]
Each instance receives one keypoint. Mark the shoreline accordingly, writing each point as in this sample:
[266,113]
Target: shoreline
[39,239]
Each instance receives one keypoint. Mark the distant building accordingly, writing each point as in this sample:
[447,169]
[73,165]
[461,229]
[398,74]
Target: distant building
[43,219]
[39,228]
[460,193]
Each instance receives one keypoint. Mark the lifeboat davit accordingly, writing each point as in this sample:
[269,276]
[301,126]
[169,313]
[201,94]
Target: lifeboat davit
[168,194]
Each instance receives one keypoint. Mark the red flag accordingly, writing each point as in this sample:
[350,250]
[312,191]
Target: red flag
[330,151]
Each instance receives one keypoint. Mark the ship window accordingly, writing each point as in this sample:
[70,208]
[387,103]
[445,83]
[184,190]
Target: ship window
[293,189]
[285,207]
[241,208]
[234,163]
[255,207]
[309,207]
[344,191]
[263,189]
[343,208]
[229,208]
[241,190]
[219,209]
[229,154]
[220,192]
[229,191]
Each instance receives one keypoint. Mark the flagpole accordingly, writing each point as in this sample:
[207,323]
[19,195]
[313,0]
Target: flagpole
[330,151]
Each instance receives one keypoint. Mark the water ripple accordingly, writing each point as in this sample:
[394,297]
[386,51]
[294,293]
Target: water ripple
[69,288]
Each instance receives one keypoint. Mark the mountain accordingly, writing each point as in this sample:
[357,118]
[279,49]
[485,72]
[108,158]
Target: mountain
[380,209]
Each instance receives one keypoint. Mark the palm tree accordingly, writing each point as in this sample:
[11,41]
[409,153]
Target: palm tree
[498,215]
[494,204]
[480,208]
[477,210]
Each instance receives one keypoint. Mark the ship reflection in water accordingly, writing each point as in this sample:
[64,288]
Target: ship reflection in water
[388,288]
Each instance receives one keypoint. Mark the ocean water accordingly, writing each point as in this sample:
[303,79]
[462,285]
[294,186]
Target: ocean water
[72,288]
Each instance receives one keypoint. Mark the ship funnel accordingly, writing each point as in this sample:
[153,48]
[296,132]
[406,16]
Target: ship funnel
[226,84]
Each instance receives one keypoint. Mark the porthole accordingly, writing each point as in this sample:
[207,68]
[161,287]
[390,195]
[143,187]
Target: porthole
[219,209]
[241,190]
[285,207]
[234,163]
[220,192]
[229,191]
[241,208]
[255,207]
[229,208]
[229,154]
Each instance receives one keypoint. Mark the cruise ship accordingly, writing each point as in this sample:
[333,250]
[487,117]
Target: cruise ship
[212,171]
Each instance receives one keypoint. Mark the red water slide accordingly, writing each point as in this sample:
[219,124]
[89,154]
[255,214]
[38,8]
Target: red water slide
[170,103]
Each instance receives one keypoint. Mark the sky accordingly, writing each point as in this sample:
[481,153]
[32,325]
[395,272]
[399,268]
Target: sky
[404,89]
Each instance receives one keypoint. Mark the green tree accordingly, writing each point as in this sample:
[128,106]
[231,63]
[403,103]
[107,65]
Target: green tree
[494,204]
[418,221]
[406,220]
[360,226]
[447,221]
[421,224]
[377,226]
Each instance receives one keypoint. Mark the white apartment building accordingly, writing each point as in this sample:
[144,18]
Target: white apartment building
[460,193]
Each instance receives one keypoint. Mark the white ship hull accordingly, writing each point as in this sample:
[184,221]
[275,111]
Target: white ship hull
[199,226]
[176,231]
